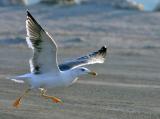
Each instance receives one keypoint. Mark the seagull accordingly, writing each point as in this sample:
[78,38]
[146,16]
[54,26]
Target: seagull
[45,72]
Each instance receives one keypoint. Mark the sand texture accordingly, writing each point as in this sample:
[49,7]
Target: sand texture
[128,84]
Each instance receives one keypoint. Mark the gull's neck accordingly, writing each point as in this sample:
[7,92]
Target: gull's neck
[69,76]
[73,73]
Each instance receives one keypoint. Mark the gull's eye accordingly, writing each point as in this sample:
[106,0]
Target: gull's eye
[82,69]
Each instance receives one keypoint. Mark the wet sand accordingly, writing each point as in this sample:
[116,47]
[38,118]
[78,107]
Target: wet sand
[128,84]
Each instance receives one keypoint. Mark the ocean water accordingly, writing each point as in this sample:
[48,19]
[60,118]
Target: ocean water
[149,5]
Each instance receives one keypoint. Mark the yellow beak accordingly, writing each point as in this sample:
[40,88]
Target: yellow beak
[92,73]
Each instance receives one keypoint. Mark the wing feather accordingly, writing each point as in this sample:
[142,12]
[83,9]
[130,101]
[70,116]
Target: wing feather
[44,48]
[92,58]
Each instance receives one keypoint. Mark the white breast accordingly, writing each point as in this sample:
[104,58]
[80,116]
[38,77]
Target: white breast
[51,80]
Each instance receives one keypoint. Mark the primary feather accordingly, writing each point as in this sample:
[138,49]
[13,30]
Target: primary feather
[92,58]
[44,47]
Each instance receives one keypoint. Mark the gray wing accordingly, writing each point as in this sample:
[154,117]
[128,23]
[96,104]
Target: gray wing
[92,58]
[44,47]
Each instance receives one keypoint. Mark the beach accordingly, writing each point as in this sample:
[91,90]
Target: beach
[128,83]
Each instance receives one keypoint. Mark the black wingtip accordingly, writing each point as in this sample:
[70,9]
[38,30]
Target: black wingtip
[103,51]
[29,14]
[32,18]
[104,48]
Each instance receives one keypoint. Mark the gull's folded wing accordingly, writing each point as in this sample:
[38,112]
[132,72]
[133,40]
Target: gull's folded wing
[92,58]
[44,47]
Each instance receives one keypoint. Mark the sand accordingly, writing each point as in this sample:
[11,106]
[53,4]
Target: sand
[128,84]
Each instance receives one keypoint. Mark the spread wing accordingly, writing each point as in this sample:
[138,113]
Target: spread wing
[44,48]
[92,58]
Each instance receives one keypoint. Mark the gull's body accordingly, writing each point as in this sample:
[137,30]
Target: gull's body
[45,70]
[48,80]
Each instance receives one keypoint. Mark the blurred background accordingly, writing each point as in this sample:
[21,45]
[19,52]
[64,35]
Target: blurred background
[148,5]
[128,84]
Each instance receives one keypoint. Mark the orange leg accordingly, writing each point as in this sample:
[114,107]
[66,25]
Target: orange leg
[54,99]
[17,102]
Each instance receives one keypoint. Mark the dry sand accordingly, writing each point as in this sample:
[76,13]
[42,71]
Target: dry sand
[128,84]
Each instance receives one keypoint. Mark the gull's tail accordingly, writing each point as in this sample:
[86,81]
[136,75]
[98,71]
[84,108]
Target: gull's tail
[20,79]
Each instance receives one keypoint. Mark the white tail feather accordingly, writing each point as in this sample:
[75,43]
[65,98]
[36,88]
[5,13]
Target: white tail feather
[17,81]
[20,79]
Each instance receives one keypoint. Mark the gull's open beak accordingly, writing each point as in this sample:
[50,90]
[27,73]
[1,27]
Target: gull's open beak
[92,73]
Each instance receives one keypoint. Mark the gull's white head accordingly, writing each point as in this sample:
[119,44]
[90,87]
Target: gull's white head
[82,71]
